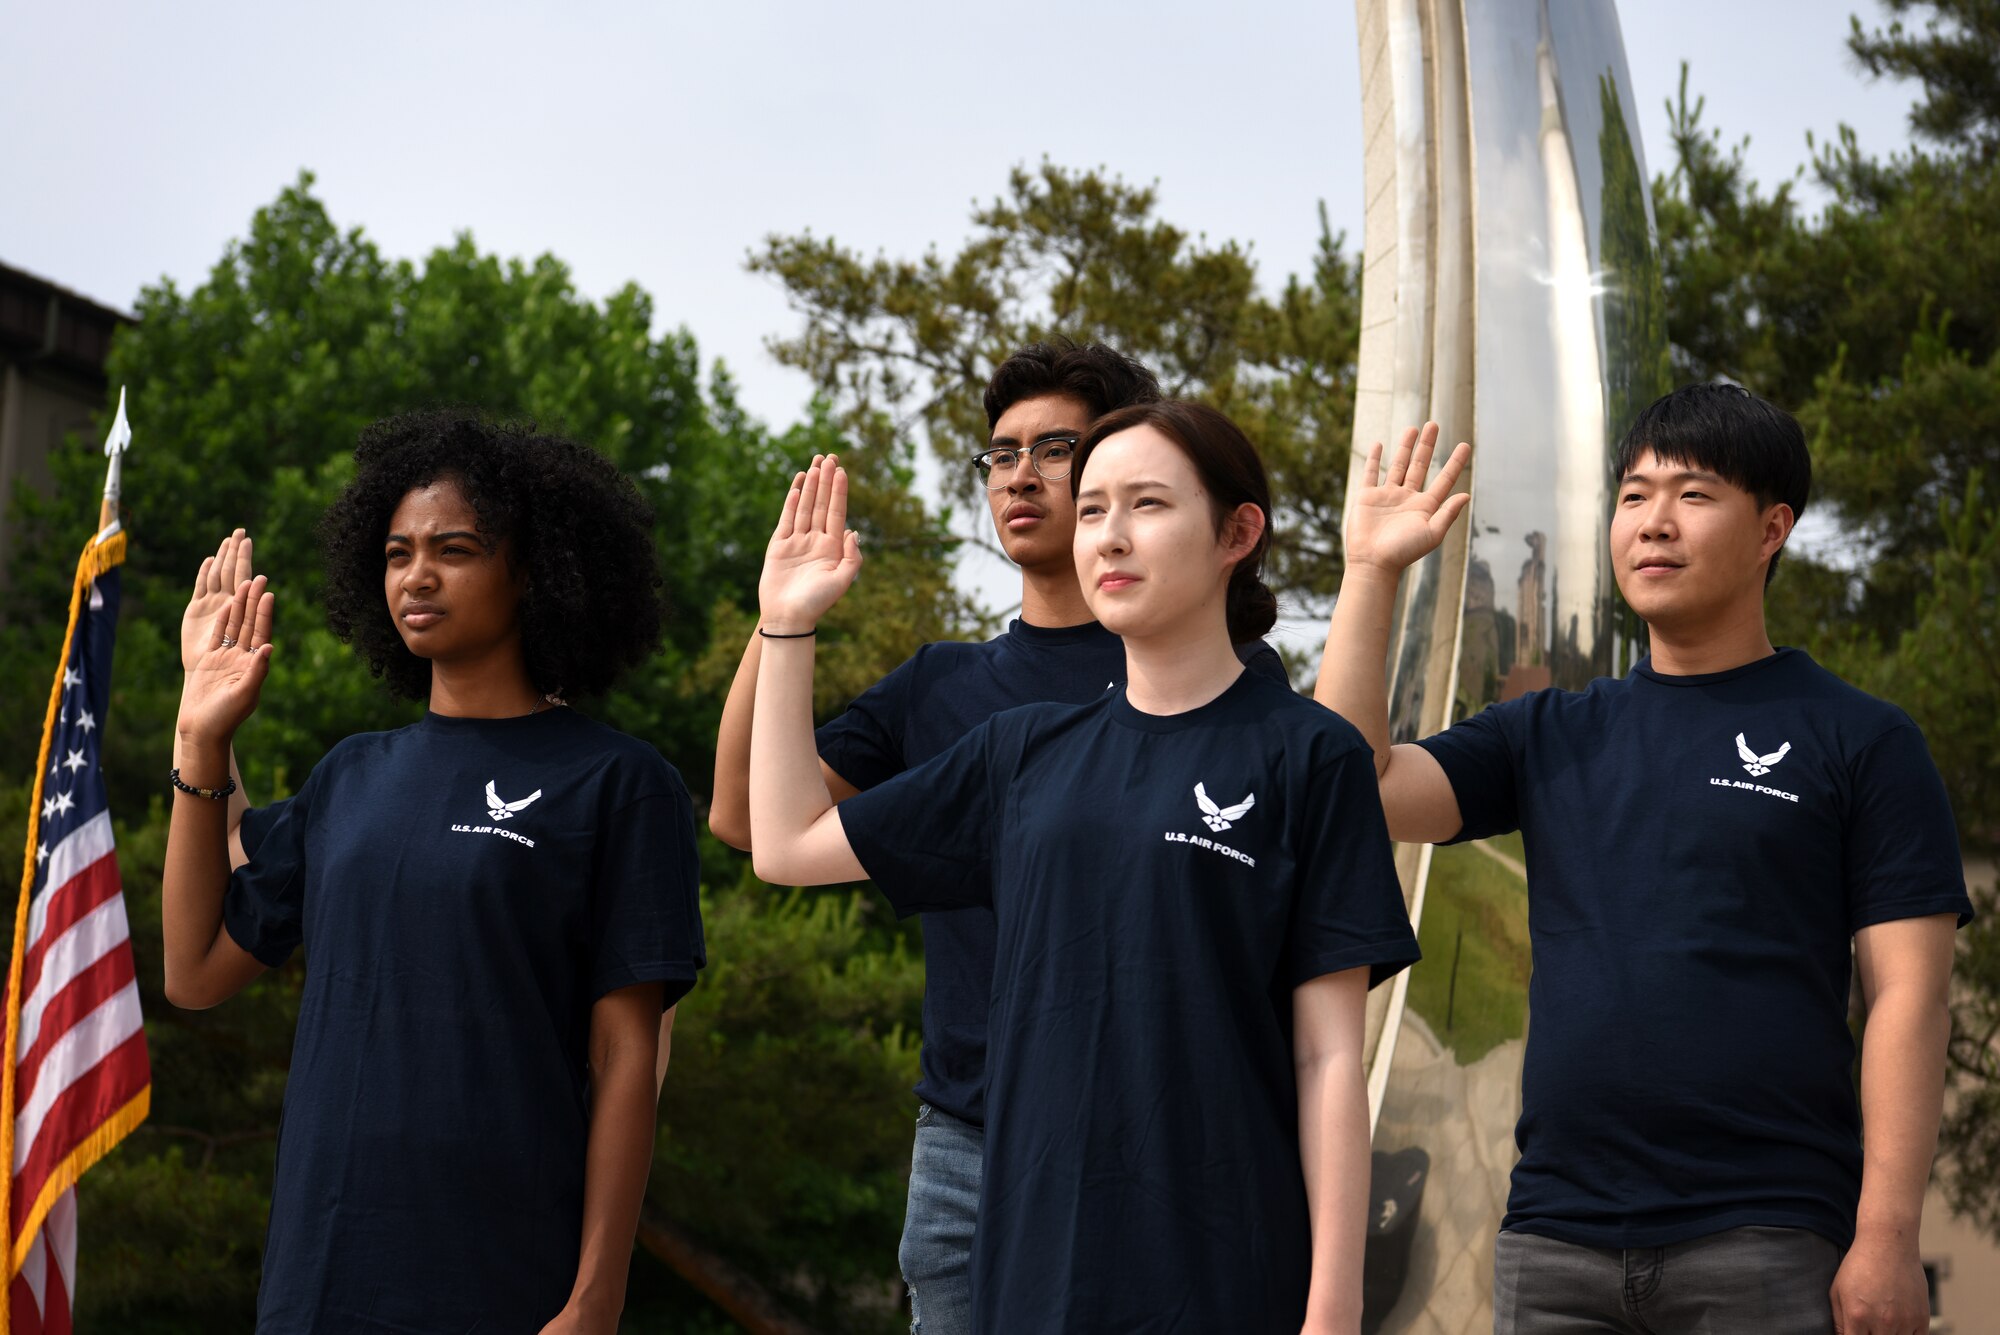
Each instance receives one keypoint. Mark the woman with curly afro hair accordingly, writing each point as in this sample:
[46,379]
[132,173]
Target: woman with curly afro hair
[497,903]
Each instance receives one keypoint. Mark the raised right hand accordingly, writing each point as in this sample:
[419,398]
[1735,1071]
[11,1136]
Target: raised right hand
[215,584]
[1396,520]
[229,666]
[812,558]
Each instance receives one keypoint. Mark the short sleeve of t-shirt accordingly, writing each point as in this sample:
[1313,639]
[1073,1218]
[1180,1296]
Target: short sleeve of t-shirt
[1901,856]
[926,836]
[865,744]
[645,910]
[257,822]
[1479,757]
[264,908]
[1349,913]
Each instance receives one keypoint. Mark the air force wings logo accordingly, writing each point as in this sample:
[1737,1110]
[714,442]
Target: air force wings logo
[1757,765]
[500,810]
[1220,818]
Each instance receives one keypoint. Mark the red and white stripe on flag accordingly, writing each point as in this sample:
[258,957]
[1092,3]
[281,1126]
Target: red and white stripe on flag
[74,1077]
[38,1299]
[81,1059]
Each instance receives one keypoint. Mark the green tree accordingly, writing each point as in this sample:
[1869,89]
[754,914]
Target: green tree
[248,392]
[1083,255]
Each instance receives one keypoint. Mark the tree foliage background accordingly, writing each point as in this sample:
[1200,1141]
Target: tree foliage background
[783,1140]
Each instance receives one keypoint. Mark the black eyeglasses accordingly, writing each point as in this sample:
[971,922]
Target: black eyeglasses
[1051,457]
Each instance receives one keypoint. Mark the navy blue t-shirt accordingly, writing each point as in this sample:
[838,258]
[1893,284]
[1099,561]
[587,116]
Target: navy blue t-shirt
[1701,851]
[1160,885]
[465,890]
[918,711]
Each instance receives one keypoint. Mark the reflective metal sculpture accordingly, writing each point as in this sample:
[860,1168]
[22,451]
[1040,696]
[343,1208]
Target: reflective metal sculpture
[1511,292]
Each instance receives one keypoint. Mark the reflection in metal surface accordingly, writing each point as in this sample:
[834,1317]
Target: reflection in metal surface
[1511,290]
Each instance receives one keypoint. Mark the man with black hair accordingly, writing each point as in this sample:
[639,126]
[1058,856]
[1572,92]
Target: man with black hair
[1039,404]
[1714,843]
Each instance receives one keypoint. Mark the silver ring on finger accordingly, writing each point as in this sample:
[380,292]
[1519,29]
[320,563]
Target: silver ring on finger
[228,643]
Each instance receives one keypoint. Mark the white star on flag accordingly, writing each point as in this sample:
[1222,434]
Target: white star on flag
[75,762]
[48,807]
[71,677]
[41,854]
[63,803]
[85,721]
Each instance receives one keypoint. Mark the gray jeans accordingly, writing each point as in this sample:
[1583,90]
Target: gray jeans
[945,1168]
[1757,1281]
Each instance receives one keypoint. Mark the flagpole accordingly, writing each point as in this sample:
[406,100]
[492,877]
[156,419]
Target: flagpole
[116,441]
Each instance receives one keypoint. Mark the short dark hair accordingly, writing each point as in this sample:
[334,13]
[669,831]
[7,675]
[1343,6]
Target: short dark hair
[1103,377]
[578,529]
[1233,474]
[1726,430]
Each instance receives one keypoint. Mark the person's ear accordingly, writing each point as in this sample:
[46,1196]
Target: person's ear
[1243,532]
[1778,524]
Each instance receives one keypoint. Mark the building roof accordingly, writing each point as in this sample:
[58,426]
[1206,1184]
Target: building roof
[44,321]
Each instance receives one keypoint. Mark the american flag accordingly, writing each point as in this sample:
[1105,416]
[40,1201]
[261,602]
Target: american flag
[76,1078]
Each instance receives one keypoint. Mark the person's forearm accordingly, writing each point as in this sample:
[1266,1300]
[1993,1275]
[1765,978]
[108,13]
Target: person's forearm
[239,801]
[1333,1154]
[624,1108]
[729,805]
[196,869]
[1353,672]
[787,791]
[1902,1101]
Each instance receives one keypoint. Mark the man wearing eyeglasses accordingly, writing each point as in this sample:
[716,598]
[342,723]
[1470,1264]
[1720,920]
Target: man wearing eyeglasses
[1039,403]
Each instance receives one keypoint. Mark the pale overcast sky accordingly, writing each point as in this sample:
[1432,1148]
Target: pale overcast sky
[660,142]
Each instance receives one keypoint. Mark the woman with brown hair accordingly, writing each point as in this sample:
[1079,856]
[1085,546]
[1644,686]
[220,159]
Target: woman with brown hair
[1193,889]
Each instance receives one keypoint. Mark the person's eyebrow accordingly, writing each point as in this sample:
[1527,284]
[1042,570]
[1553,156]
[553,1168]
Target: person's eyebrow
[1685,475]
[1137,484]
[1061,433]
[408,541]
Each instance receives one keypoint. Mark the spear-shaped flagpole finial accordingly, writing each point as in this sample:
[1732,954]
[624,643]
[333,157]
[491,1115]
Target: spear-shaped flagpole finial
[116,442]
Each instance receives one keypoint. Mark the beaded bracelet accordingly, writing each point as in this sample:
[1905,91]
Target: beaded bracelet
[212,794]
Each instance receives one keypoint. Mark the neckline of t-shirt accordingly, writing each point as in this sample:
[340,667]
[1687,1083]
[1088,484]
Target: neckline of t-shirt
[1124,712]
[1644,668]
[1057,635]
[462,723]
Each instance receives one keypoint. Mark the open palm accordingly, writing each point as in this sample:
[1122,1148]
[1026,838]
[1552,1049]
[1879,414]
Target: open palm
[228,665]
[215,586]
[1396,520]
[812,558]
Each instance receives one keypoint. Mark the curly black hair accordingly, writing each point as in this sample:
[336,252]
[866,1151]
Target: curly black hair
[578,529]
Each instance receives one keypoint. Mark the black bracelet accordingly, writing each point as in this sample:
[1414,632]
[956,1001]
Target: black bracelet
[796,635]
[212,794]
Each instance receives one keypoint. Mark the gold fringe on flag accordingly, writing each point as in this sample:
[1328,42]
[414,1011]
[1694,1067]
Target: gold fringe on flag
[102,554]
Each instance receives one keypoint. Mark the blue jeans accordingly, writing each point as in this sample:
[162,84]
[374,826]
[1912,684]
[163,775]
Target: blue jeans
[1743,1281]
[936,1254]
